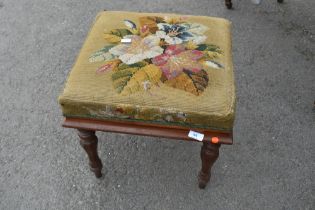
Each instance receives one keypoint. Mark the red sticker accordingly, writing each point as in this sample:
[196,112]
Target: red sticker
[215,140]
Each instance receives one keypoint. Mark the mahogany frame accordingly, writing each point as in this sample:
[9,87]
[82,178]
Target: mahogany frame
[88,140]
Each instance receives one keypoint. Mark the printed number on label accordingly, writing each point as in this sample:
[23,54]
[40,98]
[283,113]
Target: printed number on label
[196,135]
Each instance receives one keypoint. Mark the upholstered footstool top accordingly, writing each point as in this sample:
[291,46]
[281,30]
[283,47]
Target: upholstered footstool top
[154,68]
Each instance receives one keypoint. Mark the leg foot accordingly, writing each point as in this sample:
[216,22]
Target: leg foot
[228,4]
[88,141]
[209,154]
[280,1]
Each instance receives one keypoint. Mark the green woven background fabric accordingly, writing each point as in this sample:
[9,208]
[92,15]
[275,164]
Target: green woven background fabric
[88,94]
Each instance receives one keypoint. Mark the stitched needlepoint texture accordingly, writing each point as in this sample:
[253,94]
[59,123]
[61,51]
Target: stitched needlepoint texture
[157,68]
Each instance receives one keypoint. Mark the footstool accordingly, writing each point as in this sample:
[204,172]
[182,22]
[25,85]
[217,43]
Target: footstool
[153,74]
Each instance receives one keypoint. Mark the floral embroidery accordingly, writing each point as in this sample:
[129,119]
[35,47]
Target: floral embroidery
[176,59]
[138,50]
[179,33]
[109,65]
[102,55]
[165,50]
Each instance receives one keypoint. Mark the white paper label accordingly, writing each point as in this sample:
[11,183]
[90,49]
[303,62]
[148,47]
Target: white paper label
[126,41]
[196,135]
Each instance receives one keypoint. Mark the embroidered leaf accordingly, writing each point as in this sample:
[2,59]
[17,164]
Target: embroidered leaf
[102,55]
[121,82]
[200,79]
[150,23]
[121,77]
[115,35]
[112,38]
[140,79]
[208,47]
[210,55]
[194,83]
[175,20]
[159,19]
[143,79]
[190,45]
[109,65]
[135,65]
[128,72]
[120,32]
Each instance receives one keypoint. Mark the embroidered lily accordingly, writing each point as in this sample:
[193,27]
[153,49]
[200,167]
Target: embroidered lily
[138,50]
[175,59]
[183,32]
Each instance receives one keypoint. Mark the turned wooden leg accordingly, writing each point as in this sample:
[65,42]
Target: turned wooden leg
[88,141]
[228,4]
[209,154]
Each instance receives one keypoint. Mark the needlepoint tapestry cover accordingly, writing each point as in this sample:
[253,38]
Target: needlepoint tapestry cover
[156,68]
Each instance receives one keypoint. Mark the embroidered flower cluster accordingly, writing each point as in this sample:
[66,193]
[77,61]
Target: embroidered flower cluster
[166,50]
